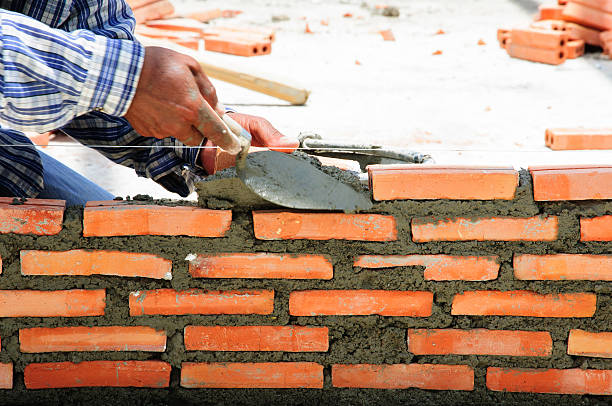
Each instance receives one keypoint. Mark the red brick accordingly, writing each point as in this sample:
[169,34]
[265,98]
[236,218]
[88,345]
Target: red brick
[237,46]
[596,228]
[590,17]
[112,338]
[541,55]
[256,338]
[252,375]
[260,32]
[261,265]
[284,225]
[179,25]
[540,39]
[438,267]
[563,267]
[6,376]
[52,303]
[483,229]
[403,376]
[34,216]
[390,182]
[387,35]
[154,11]
[92,262]
[360,302]
[551,12]
[561,139]
[572,183]
[560,381]
[140,374]
[588,35]
[554,25]
[196,301]
[588,344]
[123,219]
[575,49]
[524,303]
[480,342]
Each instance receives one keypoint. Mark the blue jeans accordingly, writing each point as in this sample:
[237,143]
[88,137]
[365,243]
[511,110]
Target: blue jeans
[63,183]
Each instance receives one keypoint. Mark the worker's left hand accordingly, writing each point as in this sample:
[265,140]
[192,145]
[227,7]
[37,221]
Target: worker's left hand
[263,135]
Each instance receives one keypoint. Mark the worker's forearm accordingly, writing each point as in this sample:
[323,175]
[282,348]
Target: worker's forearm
[48,76]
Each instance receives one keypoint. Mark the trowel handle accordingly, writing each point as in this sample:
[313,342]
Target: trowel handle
[237,129]
[215,129]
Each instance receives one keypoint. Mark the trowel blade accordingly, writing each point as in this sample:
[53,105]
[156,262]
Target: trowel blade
[291,182]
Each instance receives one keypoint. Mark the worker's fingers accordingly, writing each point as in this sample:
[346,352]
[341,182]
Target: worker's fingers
[212,127]
[264,134]
[207,90]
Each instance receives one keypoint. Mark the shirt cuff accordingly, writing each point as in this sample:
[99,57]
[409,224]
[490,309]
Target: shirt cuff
[112,76]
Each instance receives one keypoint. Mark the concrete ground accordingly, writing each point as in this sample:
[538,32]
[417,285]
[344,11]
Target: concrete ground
[471,105]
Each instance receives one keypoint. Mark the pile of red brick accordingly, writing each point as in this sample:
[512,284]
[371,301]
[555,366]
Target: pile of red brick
[157,19]
[561,32]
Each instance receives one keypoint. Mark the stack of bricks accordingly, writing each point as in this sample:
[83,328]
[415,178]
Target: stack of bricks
[584,22]
[464,284]
[157,19]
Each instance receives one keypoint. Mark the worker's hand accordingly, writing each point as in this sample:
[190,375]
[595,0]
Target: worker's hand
[170,93]
[264,134]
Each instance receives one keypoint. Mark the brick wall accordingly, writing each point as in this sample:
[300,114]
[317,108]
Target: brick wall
[461,285]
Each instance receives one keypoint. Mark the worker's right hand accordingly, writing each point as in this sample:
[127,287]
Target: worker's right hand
[169,97]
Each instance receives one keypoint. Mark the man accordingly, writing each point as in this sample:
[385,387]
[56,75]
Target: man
[74,65]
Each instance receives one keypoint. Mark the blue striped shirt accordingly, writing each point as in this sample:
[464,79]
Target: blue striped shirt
[74,65]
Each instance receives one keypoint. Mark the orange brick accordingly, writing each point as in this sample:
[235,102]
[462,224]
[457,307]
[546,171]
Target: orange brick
[560,381]
[575,49]
[572,183]
[590,17]
[267,34]
[153,11]
[153,31]
[237,46]
[86,262]
[6,376]
[261,265]
[195,301]
[555,25]
[588,35]
[206,15]
[587,344]
[596,228]
[578,138]
[178,26]
[563,267]
[438,267]
[387,35]
[134,4]
[123,219]
[548,56]
[551,12]
[541,39]
[360,302]
[403,376]
[140,374]
[480,342]
[285,225]
[524,303]
[91,339]
[390,182]
[252,375]
[34,216]
[53,303]
[256,338]
[484,229]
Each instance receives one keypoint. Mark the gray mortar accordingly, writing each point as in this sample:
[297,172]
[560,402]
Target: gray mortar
[353,339]
[224,190]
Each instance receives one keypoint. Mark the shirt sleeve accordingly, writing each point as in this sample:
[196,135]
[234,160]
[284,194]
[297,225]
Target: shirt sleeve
[49,76]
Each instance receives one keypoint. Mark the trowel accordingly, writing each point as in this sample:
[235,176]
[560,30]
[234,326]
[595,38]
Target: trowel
[283,179]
